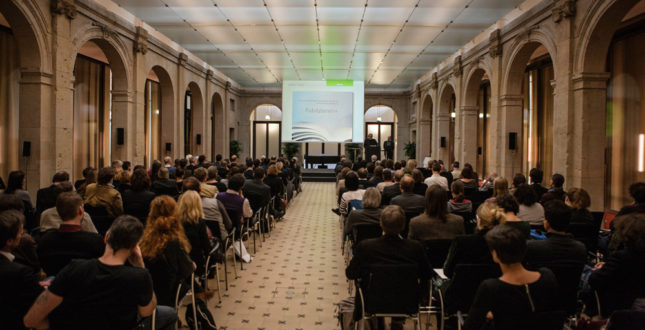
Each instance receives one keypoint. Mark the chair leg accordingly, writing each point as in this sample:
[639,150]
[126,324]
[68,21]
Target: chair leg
[219,290]
[192,297]
[255,248]
[241,260]
[225,271]
[234,261]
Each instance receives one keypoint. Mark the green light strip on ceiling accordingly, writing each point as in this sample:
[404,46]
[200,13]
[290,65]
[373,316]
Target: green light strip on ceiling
[340,83]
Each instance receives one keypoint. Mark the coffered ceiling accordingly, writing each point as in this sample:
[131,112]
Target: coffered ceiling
[257,43]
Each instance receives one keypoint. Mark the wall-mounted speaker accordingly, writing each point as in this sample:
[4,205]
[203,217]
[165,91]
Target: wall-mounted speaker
[512,141]
[479,150]
[168,146]
[26,148]
[198,139]
[443,141]
[120,136]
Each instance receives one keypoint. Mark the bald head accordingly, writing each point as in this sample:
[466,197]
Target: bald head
[407,184]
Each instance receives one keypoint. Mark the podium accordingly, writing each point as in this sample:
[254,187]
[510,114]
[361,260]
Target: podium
[372,150]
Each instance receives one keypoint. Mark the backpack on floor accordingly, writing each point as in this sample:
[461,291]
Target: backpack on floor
[345,313]
[205,319]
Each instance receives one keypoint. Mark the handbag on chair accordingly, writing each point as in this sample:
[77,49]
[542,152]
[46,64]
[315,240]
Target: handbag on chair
[205,319]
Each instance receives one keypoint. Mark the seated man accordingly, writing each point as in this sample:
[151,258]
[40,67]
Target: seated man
[436,178]
[50,219]
[408,200]
[163,185]
[208,191]
[103,194]
[18,283]
[256,191]
[392,190]
[46,197]
[102,293]
[59,246]
[215,214]
[213,180]
[238,208]
[390,248]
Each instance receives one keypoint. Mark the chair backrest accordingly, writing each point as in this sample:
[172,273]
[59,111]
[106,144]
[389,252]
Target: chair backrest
[437,251]
[100,217]
[365,231]
[465,282]
[568,277]
[547,320]
[391,289]
[470,221]
[408,216]
[586,233]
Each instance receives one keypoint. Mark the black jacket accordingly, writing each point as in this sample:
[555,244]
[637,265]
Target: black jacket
[410,202]
[275,183]
[46,198]
[18,291]
[556,249]
[165,187]
[257,193]
[467,249]
[390,192]
[137,203]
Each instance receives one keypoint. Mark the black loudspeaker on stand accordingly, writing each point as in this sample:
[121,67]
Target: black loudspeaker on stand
[26,148]
[168,146]
[512,141]
[120,136]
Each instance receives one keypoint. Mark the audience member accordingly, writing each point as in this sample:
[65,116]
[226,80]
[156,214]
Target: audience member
[102,293]
[46,197]
[556,191]
[408,200]
[340,183]
[518,179]
[468,178]
[377,176]
[456,172]
[436,222]
[274,182]
[50,219]
[510,206]
[103,194]
[165,249]
[238,209]
[256,191]
[215,214]
[19,283]
[369,214]
[530,210]
[436,178]
[500,187]
[191,215]
[536,175]
[208,191]
[513,300]
[58,247]
[419,187]
[154,170]
[91,176]
[163,185]
[488,184]
[387,180]
[78,183]
[214,181]
[458,203]
[392,190]
[363,183]
[446,174]
[15,186]
[353,192]
[179,177]
[637,191]
[167,163]
[136,200]
[579,201]
[25,253]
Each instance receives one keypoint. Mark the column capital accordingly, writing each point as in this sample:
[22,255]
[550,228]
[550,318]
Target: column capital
[64,7]
[590,80]
[469,110]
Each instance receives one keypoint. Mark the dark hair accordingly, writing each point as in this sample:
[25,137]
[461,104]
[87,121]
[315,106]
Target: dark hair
[126,165]
[558,180]
[163,173]
[536,175]
[212,172]
[236,182]
[201,158]
[351,181]
[525,195]
[15,181]
[10,223]
[417,175]
[579,198]
[218,157]
[11,202]
[508,203]
[518,179]
[362,173]
[183,163]
[637,191]
[179,172]
[631,227]
[140,180]
[455,164]
[86,171]
[67,205]
[61,176]
[467,173]
[437,203]
[557,214]
[392,220]
[200,173]
[191,183]
[407,183]
[436,167]
[105,175]
[387,174]
[378,172]
[125,233]
[258,173]
[458,190]
[154,171]
[508,242]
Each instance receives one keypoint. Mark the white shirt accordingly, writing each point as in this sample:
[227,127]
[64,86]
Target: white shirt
[349,196]
[8,255]
[437,179]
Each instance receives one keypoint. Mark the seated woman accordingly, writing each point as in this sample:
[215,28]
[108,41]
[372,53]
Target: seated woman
[513,300]
[619,281]
[136,199]
[468,178]
[191,216]
[500,187]
[530,210]
[419,187]
[353,193]
[436,222]
[510,206]
[458,202]
[15,186]
[579,201]
[369,214]
[472,249]
[165,249]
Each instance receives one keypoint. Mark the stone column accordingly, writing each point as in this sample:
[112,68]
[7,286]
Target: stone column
[207,148]
[443,130]
[139,84]
[468,132]
[510,161]
[424,138]
[589,137]
[178,149]
[123,116]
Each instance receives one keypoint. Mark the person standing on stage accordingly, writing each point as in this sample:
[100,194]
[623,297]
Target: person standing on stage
[371,146]
[388,146]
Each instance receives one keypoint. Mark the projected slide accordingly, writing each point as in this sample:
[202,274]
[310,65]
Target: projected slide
[322,116]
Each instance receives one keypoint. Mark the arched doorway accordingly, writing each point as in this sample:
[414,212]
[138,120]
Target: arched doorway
[9,99]
[446,125]
[159,114]
[425,129]
[477,99]
[266,131]
[193,121]
[380,121]
[218,126]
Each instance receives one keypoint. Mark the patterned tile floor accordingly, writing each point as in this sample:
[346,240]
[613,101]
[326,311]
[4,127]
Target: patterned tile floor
[296,277]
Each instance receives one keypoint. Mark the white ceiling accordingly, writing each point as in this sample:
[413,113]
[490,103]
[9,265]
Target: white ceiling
[386,43]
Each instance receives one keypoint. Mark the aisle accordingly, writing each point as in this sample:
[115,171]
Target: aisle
[296,277]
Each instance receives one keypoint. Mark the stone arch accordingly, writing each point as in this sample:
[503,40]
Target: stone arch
[167,111]
[218,125]
[444,98]
[426,108]
[519,55]
[29,31]
[472,83]
[197,115]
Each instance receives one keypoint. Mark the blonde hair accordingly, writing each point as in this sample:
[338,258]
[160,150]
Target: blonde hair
[411,164]
[371,198]
[490,215]
[279,166]
[500,187]
[190,207]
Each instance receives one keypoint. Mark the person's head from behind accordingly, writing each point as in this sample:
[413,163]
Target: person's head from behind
[191,183]
[508,203]
[164,173]
[190,207]
[507,245]
[124,233]
[637,191]
[417,175]
[362,173]
[631,227]
[15,181]
[457,189]
[525,195]
[11,202]
[60,176]
[272,171]
[201,174]
[536,175]
[212,173]
[106,174]
[436,203]
[398,175]
[489,215]
[518,179]
[69,206]
[258,173]
[371,198]
[557,215]
[407,184]
[392,220]
[162,206]
[140,180]
[202,159]
[351,181]
[436,167]
[578,198]
[218,158]
[387,175]
[179,173]
[378,172]
[500,186]
[467,173]
[236,182]
[11,222]
[557,180]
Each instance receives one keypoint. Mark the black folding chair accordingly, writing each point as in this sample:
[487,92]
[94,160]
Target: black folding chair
[586,233]
[364,231]
[100,217]
[470,222]
[390,291]
[408,216]
[437,251]
[568,277]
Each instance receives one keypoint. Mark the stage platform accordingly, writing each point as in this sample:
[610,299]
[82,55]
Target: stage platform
[318,175]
